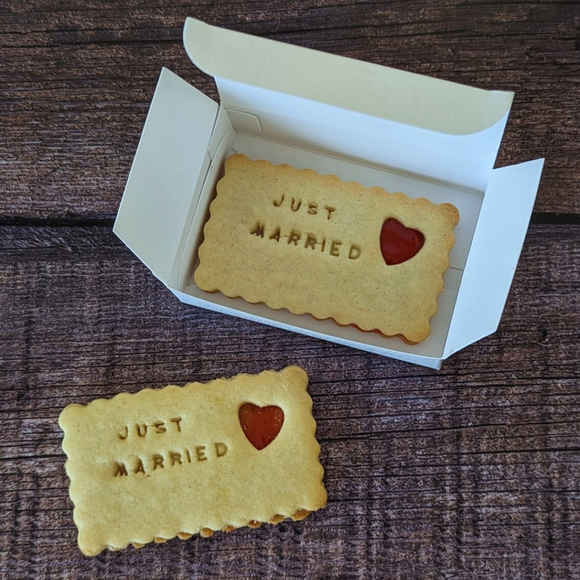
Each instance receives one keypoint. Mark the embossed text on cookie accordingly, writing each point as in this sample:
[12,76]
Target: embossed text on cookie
[307,240]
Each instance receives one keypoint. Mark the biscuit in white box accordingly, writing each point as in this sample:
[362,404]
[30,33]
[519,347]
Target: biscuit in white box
[314,244]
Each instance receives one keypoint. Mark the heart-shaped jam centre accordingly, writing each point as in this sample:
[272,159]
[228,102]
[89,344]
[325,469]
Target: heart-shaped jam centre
[261,425]
[399,243]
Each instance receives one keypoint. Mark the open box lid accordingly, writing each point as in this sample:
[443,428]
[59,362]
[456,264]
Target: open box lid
[259,75]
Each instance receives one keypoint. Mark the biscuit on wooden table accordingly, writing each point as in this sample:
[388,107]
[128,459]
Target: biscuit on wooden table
[190,460]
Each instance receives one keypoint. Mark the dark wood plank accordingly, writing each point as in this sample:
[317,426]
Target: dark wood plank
[470,472]
[77,78]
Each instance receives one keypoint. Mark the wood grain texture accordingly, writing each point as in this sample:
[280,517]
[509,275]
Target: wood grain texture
[77,78]
[471,472]
[467,473]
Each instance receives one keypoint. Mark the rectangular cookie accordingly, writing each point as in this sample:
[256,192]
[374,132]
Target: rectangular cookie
[314,244]
[195,459]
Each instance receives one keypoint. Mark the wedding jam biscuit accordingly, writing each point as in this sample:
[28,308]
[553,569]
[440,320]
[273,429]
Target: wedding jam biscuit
[314,244]
[196,459]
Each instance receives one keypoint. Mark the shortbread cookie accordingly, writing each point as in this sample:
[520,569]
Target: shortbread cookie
[192,460]
[314,244]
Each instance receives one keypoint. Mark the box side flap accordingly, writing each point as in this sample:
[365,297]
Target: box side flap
[366,88]
[171,154]
[494,253]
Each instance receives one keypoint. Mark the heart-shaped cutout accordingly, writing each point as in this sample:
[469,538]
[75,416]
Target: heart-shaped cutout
[399,243]
[261,425]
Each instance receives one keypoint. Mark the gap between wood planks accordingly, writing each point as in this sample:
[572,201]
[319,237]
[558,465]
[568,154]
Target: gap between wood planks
[541,218]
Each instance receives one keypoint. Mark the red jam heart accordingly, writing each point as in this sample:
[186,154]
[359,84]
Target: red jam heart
[261,425]
[399,243]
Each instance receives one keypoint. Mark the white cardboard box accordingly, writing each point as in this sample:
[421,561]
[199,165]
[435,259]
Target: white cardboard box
[360,121]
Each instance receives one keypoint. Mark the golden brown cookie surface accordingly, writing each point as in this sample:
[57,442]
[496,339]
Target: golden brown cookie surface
[314,244]
[180,461]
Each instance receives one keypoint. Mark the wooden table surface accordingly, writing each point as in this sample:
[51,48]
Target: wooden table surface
[471,472]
